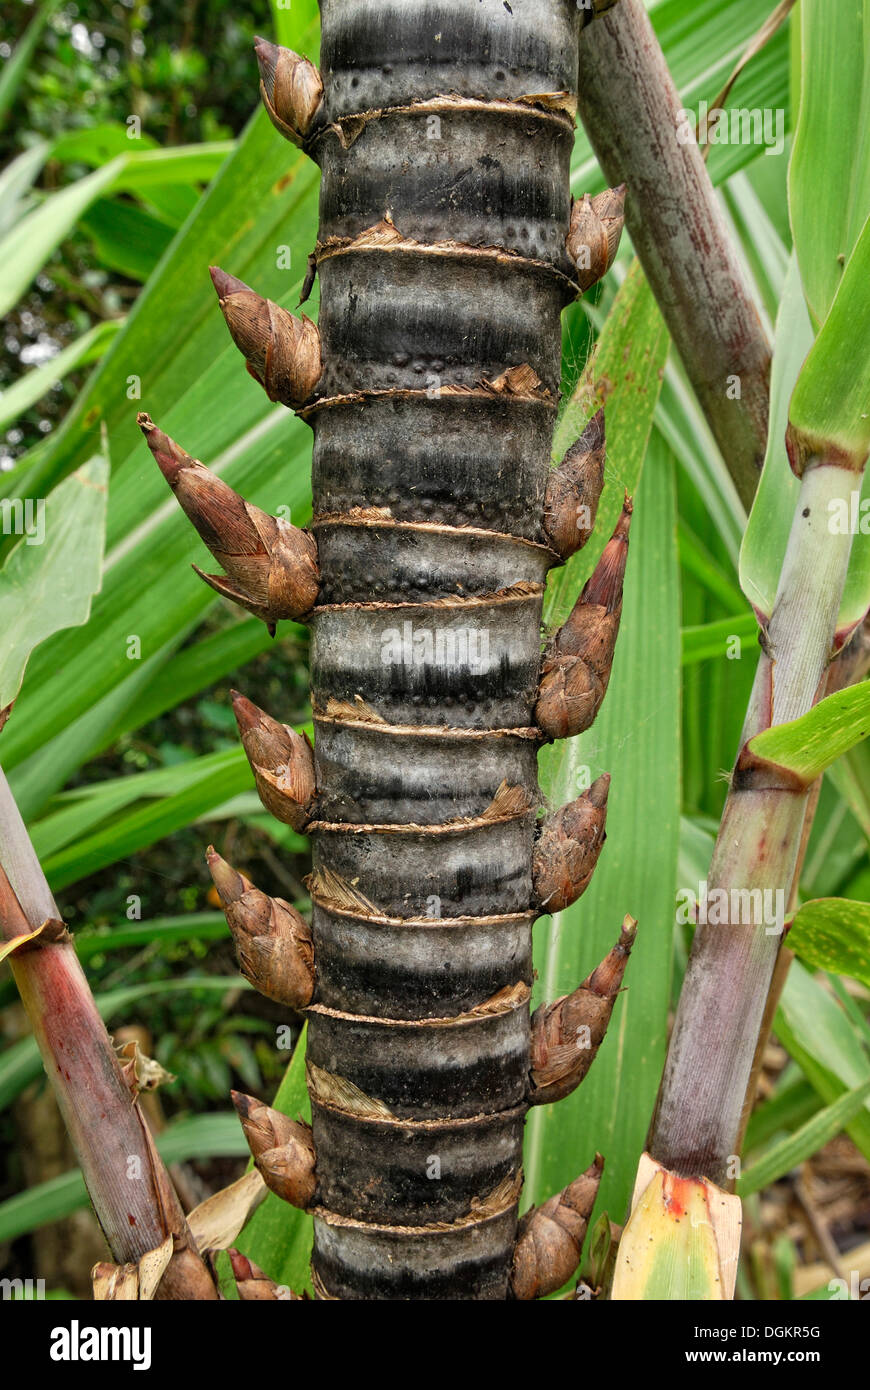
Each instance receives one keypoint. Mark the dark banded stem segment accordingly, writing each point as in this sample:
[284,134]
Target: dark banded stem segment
[462,1260]
[443,273]
[428,967]
[444,135]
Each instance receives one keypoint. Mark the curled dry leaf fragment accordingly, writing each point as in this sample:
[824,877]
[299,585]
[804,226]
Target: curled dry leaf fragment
[141,1073]
[124,1283]
[217,1221]
[115,1283]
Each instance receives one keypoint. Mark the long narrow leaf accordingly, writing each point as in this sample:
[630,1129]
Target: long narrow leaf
[35,384]
[24,250]
[813,1028]
[50,578]
[820,1130]
[638,727]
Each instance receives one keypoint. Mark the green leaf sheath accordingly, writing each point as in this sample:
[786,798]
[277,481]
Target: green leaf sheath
[829,174]
[810,744]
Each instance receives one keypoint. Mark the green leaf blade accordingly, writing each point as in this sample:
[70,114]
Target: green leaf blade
[808,745]
[43,590]
[833,934]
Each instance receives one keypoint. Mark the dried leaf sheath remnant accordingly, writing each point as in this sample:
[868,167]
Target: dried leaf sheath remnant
[430,385]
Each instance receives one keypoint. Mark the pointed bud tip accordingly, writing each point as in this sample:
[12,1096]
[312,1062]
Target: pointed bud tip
[628,933]
[225,284]
[267,60]
[606,978]
[229,883]
[612,200]
[604,586]
[593,434]
[600,790]
[248,716]
[169,456]
[244,1104]
[242,1267]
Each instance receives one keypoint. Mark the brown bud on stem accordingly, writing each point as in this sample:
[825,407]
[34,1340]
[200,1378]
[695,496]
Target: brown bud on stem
[282,762]
[282,352]
[568,847]
[573,491]
[567,1034]
[272,939]
[576,667]
[550,1237]
[594,232]
[291,89]
[283,1150]
[271,566]
[255,1286]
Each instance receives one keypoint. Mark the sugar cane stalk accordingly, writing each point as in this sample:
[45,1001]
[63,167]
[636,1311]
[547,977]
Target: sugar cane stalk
[630,108]
[851,664]
[730,967]
[129,1187]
